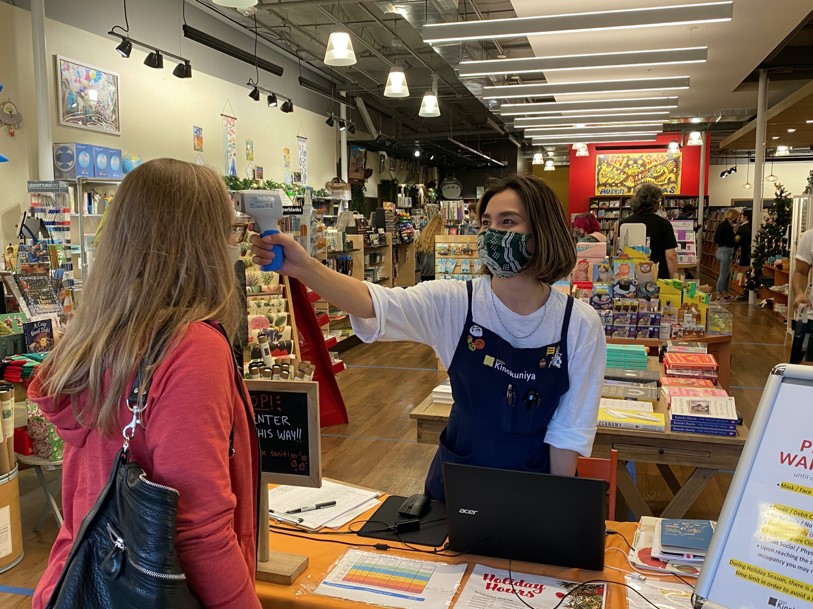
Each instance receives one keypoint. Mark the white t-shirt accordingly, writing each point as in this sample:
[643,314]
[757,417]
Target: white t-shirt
[804,249]
[434,313]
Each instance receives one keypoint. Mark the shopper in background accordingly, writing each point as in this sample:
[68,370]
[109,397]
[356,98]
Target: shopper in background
[725,238]
[588,228]
[686,212]
[156,282]
[801,271]
[742,238]
[425,248]
[645,204]
[525,362]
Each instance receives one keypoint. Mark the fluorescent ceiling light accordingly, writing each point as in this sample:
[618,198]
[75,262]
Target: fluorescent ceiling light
[564,123]
[592,139]
[524,122]
[528,65]
[593,105]
[544,131]
[683,14]
[594,86]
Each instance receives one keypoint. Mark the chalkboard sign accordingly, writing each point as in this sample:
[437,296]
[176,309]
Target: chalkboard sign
[761,554]
[286,414]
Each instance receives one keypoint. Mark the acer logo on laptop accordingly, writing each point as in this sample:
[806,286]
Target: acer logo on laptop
[467,512]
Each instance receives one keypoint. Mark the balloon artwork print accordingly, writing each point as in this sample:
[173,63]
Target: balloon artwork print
[88,97]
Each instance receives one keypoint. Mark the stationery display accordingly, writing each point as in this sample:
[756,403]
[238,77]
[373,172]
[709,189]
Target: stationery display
[333,505]
[392,581]
[492,588]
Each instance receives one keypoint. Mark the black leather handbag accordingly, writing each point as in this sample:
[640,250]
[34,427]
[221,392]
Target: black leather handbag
[124,555]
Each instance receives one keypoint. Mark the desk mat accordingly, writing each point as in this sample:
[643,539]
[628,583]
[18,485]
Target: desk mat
[431,534]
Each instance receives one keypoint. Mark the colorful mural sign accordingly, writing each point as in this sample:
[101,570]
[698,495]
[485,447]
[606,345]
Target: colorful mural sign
[621,174]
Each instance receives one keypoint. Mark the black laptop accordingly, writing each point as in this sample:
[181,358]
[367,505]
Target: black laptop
[540,518]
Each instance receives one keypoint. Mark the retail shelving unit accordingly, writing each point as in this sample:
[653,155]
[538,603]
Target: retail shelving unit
[403,260]
[778,290]
[708,260]
[456,257]
[92,197]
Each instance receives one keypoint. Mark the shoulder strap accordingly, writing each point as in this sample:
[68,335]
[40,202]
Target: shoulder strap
[566,324]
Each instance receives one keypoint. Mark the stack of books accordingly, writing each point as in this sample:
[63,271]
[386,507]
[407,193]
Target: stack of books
[628,414]
[629,391]
[626,356]
[675,346]
[691,365]
[671,545]
[442,394]
[637,377]
[670,392]
[715,416]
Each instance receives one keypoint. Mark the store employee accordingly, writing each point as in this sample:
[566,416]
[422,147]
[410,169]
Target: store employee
[525,362]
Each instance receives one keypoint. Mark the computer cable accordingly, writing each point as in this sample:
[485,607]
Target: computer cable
[633,567]
[611,532]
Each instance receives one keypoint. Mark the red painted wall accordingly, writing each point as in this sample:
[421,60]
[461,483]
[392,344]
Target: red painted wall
[583,169]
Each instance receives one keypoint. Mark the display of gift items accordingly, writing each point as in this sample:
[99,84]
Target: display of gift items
[456,257]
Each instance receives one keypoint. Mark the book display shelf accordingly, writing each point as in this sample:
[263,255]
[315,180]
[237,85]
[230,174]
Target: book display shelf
[609,209]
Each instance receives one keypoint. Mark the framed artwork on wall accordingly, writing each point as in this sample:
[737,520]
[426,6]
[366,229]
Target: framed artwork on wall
[358,163]
[87,96]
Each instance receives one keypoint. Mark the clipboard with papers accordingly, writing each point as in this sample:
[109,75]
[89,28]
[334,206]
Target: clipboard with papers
[348,502]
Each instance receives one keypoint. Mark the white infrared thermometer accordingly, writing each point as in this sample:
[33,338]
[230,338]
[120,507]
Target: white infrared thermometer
[266,208]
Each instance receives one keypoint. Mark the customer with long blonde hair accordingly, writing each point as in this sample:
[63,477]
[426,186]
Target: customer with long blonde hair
[425,248]
[161,286]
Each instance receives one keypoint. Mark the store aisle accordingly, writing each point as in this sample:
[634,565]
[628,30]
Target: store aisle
[384,382]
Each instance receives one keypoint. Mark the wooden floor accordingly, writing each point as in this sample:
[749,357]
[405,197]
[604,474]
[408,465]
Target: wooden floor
[378,448]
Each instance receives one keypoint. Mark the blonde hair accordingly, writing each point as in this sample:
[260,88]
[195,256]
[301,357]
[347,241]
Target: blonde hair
[162,263]
[554,253]
[425,243]
[732,214]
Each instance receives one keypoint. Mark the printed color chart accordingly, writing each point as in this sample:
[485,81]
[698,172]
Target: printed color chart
[389,574]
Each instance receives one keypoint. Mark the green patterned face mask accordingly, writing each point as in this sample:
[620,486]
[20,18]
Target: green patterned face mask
[505,253]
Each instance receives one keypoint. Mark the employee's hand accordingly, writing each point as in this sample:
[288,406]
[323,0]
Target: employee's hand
[802,299]
[295,259]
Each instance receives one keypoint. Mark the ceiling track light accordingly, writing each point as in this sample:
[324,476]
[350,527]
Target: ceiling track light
[531,65]
[330,121]
[272,98]
[155,56]
[593,105]
[343,123]
[709,12]
[596,86]
[339,51]
[255,94]
[287,106]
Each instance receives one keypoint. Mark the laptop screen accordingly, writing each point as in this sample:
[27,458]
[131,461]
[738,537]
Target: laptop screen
[541,518]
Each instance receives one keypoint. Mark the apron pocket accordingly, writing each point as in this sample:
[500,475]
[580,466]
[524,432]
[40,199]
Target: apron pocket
[523,452]
[447,454]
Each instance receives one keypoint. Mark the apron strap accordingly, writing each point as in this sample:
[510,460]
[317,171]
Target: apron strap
[469,319]
[566,325]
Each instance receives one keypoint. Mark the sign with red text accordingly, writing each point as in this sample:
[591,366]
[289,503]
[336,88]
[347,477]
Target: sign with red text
[496,589]
[761,555]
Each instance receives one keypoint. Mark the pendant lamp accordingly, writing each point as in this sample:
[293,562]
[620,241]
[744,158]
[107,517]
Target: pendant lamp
[429,104]
[771,177]
[340,50]
[396,83]
[747,185]
[236,3]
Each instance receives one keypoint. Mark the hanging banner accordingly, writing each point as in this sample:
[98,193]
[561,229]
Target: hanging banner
[197,139]
[286,166]
[229,145]
[621,174]
[302,145]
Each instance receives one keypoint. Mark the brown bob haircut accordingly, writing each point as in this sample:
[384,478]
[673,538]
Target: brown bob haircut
[554,253]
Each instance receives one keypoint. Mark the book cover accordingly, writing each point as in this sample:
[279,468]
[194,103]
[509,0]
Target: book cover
[691,392]
[624,419]
[705,431]
[11,323]
[630,405]
[674,346]
[705,408]
[39,336]
[39,294]
[621,392]
[641,553]
[710,375]
[674,381]
[640,376]
[691,361]
[684,536]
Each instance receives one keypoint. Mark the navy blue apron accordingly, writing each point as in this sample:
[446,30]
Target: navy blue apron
[504,399]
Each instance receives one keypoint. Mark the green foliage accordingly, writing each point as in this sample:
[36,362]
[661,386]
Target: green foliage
[772,237]
[388,190]
[357,197]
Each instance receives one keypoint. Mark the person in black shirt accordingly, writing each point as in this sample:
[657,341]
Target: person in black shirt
[725,239]
[686,212]
[645,203]
[743,238]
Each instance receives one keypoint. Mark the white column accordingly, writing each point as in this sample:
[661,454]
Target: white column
[43,95]
[759,164]
[343,152]
[701,200]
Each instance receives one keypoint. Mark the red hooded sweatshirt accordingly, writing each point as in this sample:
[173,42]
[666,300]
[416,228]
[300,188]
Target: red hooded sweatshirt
[192,405]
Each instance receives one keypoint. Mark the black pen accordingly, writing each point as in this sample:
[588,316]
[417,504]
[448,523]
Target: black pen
[309,508]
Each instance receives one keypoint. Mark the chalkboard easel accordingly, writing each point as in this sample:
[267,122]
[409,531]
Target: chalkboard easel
[286,415]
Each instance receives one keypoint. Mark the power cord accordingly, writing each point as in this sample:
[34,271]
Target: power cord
[641,575]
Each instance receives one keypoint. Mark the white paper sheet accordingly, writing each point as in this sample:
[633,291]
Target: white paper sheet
[391,581]
[489,588]
[348,499]
[665,595]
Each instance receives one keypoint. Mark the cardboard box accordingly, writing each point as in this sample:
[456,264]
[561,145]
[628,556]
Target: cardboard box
[101,162]
[73,161]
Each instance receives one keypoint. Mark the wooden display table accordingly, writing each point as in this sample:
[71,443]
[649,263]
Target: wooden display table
[322,554]
[706,454]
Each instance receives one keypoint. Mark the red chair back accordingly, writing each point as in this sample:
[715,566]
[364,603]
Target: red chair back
[601,469]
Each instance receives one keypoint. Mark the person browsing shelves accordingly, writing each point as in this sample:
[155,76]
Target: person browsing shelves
[525,362]
[645,203]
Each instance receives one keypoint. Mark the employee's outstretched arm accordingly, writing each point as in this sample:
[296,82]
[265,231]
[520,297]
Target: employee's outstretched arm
[340,290]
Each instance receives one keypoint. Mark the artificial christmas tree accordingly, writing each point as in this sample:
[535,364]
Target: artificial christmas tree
[772,238]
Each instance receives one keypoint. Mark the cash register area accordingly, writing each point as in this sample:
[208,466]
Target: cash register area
[379,450]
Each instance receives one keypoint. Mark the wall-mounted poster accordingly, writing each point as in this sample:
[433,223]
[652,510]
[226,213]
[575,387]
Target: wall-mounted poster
[621,174]
[249,150]
[197,139]
[88,96]
[358,163]
[229,145]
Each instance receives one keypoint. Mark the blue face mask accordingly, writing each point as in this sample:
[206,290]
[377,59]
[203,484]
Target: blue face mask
[505,253]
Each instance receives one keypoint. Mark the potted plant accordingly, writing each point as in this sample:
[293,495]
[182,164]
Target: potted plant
[253,283]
